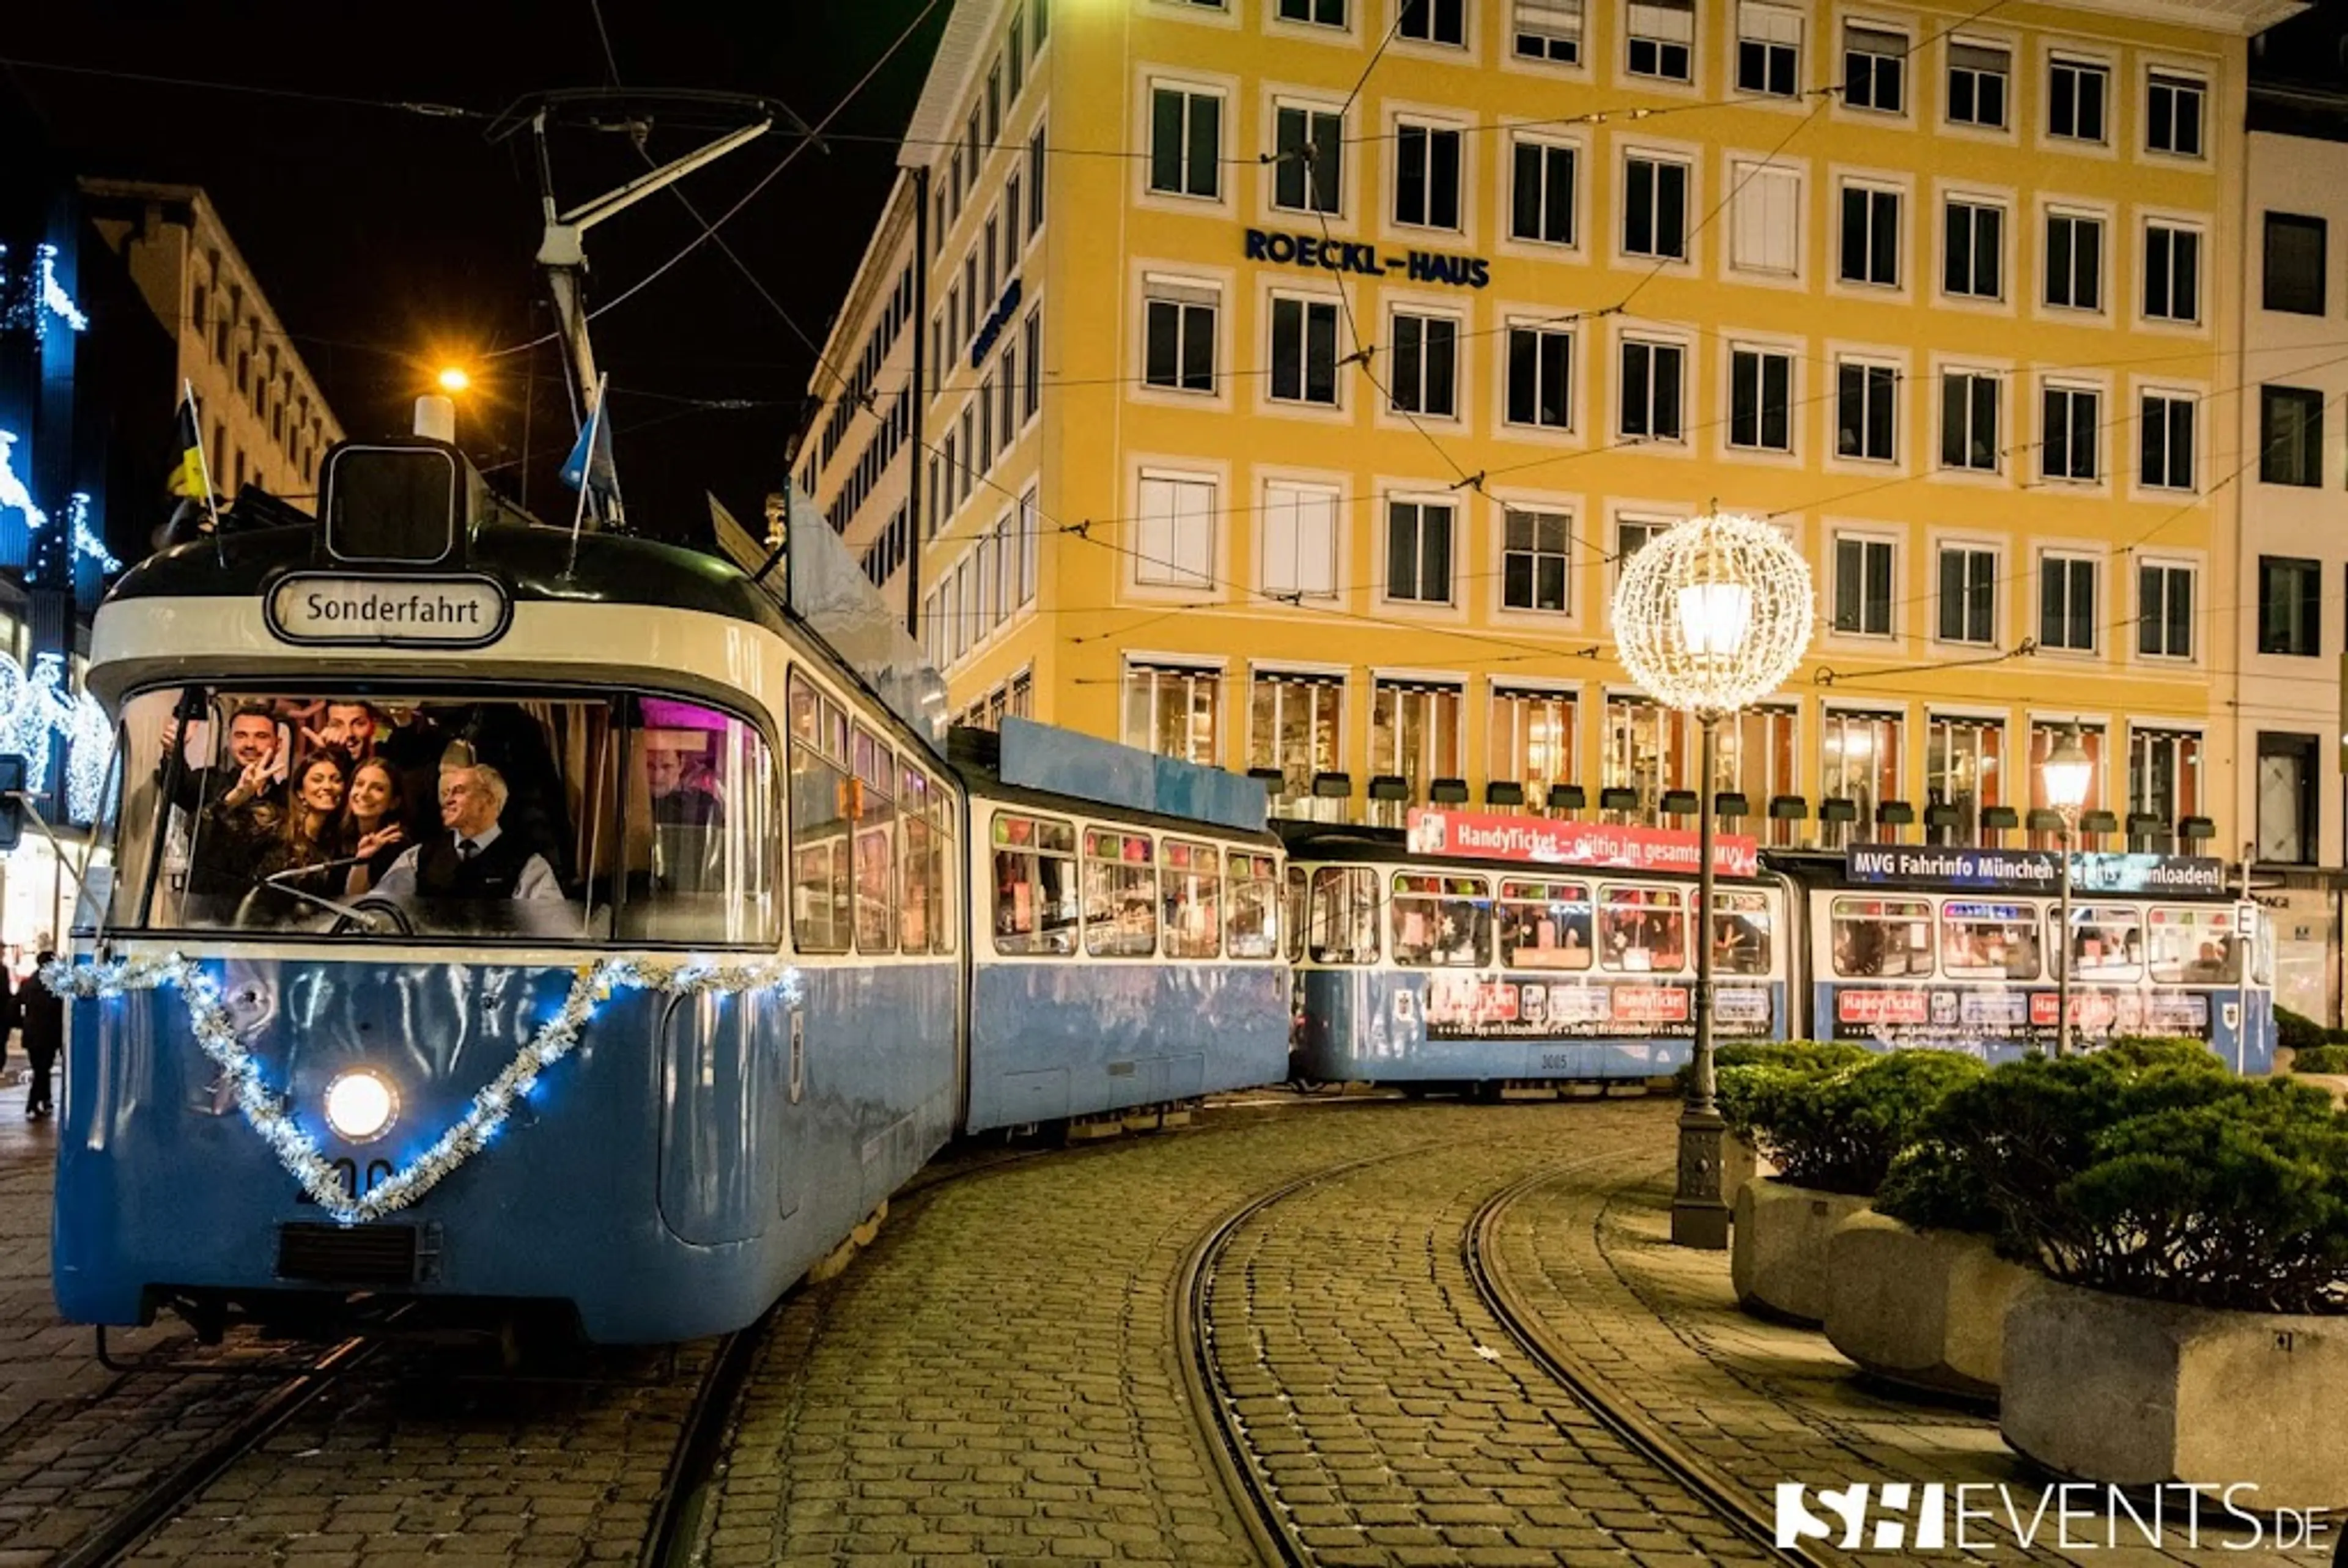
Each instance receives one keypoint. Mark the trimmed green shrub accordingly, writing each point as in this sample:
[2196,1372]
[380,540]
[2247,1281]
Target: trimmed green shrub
[1839,1129]
[2141,1052]
[1801,1055]
[2299,1031]
[2142,1170]
[2321,1059]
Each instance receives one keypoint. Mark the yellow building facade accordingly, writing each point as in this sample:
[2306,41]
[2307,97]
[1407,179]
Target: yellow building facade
[1292,376]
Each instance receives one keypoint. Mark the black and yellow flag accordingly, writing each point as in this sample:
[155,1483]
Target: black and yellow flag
[189,478]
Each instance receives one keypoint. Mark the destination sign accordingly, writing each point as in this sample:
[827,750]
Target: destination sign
[2031,870]
[331,610]
[1492,836]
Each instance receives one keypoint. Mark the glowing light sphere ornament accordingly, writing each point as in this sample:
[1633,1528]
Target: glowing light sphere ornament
[1712,615]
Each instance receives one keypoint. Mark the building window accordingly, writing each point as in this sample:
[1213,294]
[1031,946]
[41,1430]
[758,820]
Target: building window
[1304,350]
[2164,782]
[994,102]
[2290,606]
[1874,68]
[1535,563]
[1309,145]
[1654,208]
[1173,710]
[1296,723]
[1427,176]
[1867,402]
[1186,142]
[1964,768]
[1651,389]
[1643,751]
[1425,365]
[1662,39]
[1769,50]
[1871,236]
[2173,114]
[1031,343]
[1415,733]
[1299,541]
[977,156]
[2164,610]
[1759,757]
[2075,261]
[1319,13]
[1015,51]
[1978,77]
[1530,737]
[2287,772]
[1434,22]
[2166,430]
[1766,221]
[1969,421]
[1862,604]
[1540,377]
[1760,400]
[2295,264]
[1036,182]
[2291,437]
[1968,596]
[1972,261]
[1418,551]
[2070,428]
[2066,603]
[1175,544]
[1631,534]
[1541,204]
[1180,340]
[1547,30]
[2076,94]
[1859,760]
[2172,273]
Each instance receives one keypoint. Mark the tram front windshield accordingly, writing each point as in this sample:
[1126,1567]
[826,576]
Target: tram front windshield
[417,814]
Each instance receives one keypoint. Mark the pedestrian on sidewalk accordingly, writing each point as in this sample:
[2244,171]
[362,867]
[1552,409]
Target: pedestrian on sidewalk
[44,1014]
[11,1010]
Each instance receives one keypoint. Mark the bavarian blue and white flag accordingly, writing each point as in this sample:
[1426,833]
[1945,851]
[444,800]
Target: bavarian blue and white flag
[590,462]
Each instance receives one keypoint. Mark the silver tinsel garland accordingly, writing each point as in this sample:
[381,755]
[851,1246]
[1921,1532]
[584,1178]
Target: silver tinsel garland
[297,1150]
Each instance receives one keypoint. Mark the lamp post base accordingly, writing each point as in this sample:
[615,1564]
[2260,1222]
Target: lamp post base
[1699,1211]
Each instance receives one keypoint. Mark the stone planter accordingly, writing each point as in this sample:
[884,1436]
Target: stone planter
[1777,1248]
[1920,1307]
[2137,1393]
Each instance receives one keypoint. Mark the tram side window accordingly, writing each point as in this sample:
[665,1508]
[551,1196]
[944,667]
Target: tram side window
[1344,917]
[1545,925]
[1882,938]
[875,802]
[945,870]
[2195,948]
[705,783]
[1121,895]
[1740,934]
[1642,930]
[2106,941]
[1252,924]
[915,920]
[1192,885]
[1035,886]
[1989,941]
[1442,922]
[820,867]
[1294,913]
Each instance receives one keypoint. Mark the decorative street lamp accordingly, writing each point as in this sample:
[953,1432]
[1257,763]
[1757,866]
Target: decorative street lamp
[1709,616]
[2065,773]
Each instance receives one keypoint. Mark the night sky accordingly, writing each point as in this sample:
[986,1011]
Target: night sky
[389,241]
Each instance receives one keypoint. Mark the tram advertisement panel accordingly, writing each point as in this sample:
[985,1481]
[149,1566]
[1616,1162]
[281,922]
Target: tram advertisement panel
[1995,1015]
[1507,1007]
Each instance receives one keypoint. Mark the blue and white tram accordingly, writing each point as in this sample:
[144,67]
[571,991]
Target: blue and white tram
[643,1024]
[1438,968]
[1957,949]
[1132,958]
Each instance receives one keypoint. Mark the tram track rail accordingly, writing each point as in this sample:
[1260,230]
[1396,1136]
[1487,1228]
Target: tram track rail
[128,1528]
[1541,1345]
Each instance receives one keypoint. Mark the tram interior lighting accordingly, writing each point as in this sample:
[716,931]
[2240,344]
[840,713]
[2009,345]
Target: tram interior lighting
[361,1105]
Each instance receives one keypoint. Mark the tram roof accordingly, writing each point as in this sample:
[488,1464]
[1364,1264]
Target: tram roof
[976,755]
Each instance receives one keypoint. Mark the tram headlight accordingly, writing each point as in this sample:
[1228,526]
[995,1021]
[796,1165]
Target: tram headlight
[361,1105]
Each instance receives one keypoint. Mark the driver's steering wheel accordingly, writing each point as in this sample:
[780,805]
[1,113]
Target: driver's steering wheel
[343,924]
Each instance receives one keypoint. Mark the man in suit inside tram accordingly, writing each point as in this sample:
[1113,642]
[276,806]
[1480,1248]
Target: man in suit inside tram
[473,857]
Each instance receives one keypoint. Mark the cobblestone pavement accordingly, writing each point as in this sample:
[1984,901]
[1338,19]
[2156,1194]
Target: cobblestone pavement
[1760,1402]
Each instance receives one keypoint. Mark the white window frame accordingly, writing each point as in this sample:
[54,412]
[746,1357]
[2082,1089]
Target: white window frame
[1904,58]
[2165,395]
[1660,161]
[1388,502]
[2157,76]
[1758,190]
[1312,108]
[1536,509]
[2001,128]
[1577,31]
[1977,549]
[1163,563]
[1549,147]
[1976,203]
[1191,91]
[1998,445]
[1763,352]
[1427,319]
[1869,543]
[1868,383]
[2173,228]
[1552,340]
[2072,391]
[2069,557]
[1661,35]
[1874,190]
[1185,295]
[2051,215]
[1463,176]
[1308,302]
[1769,27]
[1285,502]
[2169,567]
[2084,64]
[1621,383]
